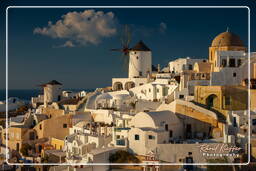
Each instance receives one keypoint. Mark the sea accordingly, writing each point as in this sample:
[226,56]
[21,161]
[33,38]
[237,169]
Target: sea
[26,94]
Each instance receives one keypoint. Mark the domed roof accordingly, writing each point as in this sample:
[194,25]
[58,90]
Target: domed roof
[227,39]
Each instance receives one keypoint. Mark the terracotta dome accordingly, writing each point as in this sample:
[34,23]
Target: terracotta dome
[227,39]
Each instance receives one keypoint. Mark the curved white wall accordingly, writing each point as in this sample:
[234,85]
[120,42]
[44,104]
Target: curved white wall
[52,93]
[140,61]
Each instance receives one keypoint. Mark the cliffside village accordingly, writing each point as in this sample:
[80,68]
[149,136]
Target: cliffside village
[156,115]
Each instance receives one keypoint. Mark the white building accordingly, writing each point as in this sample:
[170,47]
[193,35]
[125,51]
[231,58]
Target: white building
[52,92]
[155,91]
[84,138]
[118,100]
[13,104]
[69,94]
[140,68]
[152,128]
[230,68]
[140,61]
[230,59]
[183,64]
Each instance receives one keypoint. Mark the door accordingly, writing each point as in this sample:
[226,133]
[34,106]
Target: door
[188,131]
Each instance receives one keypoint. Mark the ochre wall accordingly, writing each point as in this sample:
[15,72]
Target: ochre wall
[253,99]
[12,142]
[238,97]
[53,112]
[57,143]
[188,111]
[53,128]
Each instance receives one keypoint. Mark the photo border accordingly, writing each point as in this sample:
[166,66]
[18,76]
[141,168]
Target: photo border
[137,164]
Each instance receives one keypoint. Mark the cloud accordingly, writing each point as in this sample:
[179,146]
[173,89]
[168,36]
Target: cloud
[68,43]
[143,31]
[87,27]
[162,27]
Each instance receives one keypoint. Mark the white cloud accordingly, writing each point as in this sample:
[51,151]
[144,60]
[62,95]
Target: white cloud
[68,43]
[162,27]
[87,27]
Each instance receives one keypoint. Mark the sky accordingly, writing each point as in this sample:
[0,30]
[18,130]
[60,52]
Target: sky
[72,45]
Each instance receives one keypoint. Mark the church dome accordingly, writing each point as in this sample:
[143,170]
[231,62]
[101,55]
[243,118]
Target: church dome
[227,39]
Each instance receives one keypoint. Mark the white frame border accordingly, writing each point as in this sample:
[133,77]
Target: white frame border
[138,164]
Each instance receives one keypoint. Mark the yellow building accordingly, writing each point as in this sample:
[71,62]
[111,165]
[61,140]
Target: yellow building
[57,143]
[222,98]
[56,127]
[225,41]
[253,99]
[17,136]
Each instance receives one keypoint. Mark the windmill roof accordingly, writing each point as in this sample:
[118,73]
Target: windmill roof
[53,82]
[140,46]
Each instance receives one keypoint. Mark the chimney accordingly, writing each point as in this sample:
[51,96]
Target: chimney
[158,68]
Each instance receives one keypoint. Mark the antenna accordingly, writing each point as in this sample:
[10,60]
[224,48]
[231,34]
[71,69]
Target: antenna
[227,29]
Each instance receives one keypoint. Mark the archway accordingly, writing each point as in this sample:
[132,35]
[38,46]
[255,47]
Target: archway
[117,86]
[129,84]
[212,101]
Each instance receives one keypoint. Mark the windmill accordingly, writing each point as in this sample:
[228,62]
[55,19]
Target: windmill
[125,39]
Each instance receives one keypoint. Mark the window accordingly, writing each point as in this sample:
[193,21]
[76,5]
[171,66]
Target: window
[234,122]
[149,90]
[31,136]
[157,90]
[224,63]
[140,73]
[190,67]
[137,137]
[151,137]
[232,62]
[120,142]
[234,74]
[170,133]
[239,62]
[17,147]
[227,100]
[137,57]
[254,122]
[40,126]
[181,96]
[118,137]
[65,125]
[166,127]
[165,91]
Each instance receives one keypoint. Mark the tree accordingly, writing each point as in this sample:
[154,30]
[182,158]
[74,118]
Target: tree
[122,156]
[25,148]
[219,167]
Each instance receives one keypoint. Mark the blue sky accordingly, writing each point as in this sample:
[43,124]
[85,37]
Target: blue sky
[38,58]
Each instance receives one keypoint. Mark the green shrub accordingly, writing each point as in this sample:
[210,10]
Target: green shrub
[219,167]
[24,149]
[122,156]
